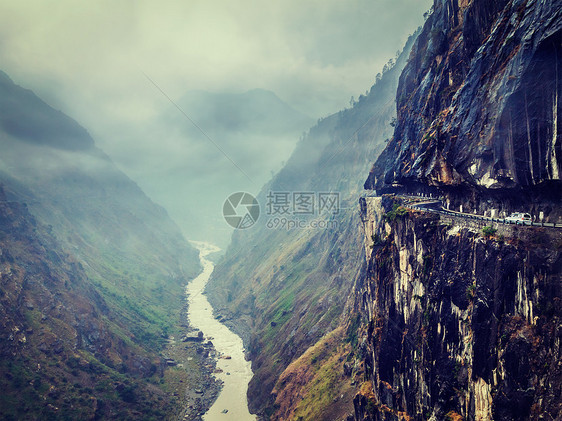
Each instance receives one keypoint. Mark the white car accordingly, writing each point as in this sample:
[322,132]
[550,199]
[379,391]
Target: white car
[519,218]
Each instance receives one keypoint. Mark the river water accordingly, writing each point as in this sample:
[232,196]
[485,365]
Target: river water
[237,371]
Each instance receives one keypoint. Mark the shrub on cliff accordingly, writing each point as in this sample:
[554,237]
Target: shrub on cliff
[489,231]
[396,212]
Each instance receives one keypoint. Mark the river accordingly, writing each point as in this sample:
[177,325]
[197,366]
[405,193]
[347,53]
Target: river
[237,372]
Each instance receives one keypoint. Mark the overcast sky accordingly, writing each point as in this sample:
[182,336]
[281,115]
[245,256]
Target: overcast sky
[87,58]
[314,54]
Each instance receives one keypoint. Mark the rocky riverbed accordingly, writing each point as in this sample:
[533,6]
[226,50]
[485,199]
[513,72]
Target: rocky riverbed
[190,374]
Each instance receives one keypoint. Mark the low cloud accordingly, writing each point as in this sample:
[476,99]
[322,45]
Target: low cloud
[88,59]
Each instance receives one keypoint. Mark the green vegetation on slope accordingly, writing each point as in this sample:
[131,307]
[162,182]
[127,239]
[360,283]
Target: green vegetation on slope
[92,276]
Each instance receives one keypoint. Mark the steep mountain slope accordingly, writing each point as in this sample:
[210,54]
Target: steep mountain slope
[59,356]
[478,107]
[283,289]
[458,320]
[91,266]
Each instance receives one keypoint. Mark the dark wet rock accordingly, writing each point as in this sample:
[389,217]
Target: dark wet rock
[58,347]
[347,369]
[479,103]
[460,324]
[43,347]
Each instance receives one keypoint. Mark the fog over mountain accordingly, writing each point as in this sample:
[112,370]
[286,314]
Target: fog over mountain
[256,121]
[92,60]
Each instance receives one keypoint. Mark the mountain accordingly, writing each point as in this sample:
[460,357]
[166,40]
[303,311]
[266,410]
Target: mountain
[257,111]
[27,118]
[285,290]
[399,313]
[459,319]
[93,275]
[184,169]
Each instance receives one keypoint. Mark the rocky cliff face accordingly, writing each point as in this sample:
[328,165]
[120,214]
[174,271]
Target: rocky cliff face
[479,112]
[458,325]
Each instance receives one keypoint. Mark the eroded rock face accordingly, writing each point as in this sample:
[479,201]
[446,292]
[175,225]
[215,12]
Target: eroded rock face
[457,324]
[460,325]
[479,101]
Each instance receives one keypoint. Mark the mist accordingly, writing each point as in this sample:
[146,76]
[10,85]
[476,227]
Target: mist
[127,71]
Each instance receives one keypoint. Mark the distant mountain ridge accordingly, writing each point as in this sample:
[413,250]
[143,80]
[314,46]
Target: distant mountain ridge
[258,109]
[27,117]
[255,129]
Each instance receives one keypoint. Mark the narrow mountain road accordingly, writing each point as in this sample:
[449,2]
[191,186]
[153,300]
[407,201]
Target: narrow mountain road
[428,204]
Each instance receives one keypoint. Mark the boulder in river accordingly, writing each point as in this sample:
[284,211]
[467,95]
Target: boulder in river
[193,337]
